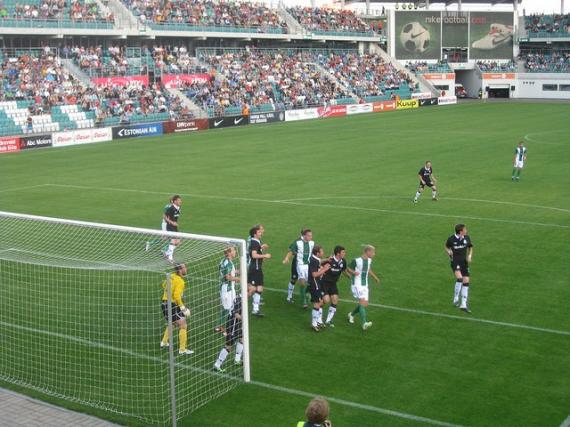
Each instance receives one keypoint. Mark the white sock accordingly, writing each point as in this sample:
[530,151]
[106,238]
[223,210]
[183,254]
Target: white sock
[330,315]
[458,286]
[433,194]
[239,351]
[464,296]
[321,315]
[418,194]
[315,319]
[223,354]
[256,300]
[290,290]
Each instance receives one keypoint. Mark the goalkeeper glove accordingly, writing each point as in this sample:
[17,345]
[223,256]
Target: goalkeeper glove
[185,311]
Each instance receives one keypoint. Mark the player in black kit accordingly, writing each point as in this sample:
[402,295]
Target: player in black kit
[460,250]
[316,272]
[255,268]
[427,179]
[170,221]
[330,279]
[233,334]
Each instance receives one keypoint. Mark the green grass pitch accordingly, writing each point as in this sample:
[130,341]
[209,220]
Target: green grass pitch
[352,181]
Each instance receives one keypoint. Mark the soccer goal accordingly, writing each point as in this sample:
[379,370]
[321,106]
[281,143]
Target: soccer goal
[81,316]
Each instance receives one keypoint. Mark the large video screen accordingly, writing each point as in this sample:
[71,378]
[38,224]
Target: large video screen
[455,28]
[491,35]
[418,35]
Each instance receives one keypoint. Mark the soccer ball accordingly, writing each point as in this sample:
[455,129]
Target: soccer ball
[415,37]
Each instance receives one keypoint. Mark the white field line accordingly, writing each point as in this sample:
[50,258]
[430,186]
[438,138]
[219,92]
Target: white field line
[293,203]
[497,202]
[449,316]
[566,422]
[29,187]
[356,405]
[342,402]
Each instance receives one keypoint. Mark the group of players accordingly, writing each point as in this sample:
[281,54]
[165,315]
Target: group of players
[315,275]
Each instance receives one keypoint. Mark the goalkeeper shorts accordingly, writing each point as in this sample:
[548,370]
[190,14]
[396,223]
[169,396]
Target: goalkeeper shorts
[176,312]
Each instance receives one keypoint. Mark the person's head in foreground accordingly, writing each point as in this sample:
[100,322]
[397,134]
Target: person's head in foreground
[316,413]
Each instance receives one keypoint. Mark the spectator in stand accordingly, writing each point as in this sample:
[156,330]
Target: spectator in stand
[497,66]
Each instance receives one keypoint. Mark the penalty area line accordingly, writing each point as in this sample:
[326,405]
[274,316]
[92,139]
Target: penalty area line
[450,316]
[566,422]
[95,344]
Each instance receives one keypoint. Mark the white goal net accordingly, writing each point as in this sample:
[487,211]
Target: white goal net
[81,316]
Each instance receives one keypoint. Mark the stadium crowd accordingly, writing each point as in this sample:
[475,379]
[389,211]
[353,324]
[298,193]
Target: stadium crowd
[329,20]
[365,75]
[497,66]
[172,59]
[256,16]
[264,77]
[421,67]
[548,23]
[75,11]
[553,61]
[37,76]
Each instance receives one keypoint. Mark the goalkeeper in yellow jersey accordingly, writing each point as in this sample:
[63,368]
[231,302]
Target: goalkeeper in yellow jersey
[179,310]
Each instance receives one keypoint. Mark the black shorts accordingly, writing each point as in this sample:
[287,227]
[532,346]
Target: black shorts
[329,288]
[255,277]
[461,266]
[176,312]
[170,227]
[427,184]
[294,274]
[233,331]
[316,292]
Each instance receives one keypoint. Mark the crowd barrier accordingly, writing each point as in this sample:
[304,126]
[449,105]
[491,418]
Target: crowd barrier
[88,136]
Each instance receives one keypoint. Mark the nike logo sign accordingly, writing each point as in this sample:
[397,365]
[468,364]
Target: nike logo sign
[237,121]
[417,35]
[501,40]
[216,124]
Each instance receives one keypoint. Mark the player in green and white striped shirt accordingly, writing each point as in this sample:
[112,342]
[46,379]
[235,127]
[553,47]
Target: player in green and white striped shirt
[302,248]
[520,158]
[228,279]
[361,270]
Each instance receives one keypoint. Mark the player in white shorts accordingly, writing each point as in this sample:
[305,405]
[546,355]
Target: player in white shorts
[520,158]
[302,248]
[360,269]
[228,279]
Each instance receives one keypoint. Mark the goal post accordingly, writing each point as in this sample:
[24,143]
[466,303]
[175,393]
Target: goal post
[81,317]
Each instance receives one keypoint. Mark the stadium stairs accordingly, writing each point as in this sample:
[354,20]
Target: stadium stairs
[124,19]
[76,72]
[196,111]
[331,77]
[292,24]
[423,83]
